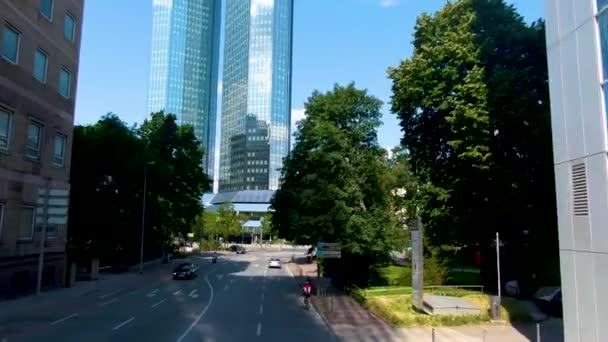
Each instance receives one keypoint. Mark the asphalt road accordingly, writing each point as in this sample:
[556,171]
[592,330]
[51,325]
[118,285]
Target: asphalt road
[237,299]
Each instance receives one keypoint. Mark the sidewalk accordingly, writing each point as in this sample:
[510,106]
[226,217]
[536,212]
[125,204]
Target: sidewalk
[351,322]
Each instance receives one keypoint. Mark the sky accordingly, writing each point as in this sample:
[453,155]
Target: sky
[335,41]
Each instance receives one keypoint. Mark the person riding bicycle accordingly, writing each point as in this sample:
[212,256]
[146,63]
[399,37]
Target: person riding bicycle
[307,288]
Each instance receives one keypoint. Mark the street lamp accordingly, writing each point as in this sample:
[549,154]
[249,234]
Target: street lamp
[143,217]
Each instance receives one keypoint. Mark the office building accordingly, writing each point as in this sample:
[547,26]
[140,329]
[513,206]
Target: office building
[184,66]
[577,48]
[256,98]
[39,52]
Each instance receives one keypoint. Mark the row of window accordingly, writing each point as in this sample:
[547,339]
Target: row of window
[257,170]
[27,224]
[257,162]
[11,49]
[69,23]
[33,143]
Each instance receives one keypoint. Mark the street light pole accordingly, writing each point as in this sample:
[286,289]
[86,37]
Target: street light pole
[143,218]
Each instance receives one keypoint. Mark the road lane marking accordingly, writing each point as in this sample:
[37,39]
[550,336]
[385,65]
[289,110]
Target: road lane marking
[134,292]
[64,318]
[152,293]
[109,294]
[261,309]
[193,294]
[157,304]
[262,296]
[259,332]
[177,292]
[256,265]
[225,287]
[220,276]
[202,313]
[263,287]
[108,302]
[123,323]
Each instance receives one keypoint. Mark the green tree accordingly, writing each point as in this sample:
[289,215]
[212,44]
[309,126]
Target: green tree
[176,181]
[332,183]
[474,108]
[229,222]
[106,179]
[267,228]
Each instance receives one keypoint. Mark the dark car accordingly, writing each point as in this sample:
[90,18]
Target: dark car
[240,250]
[549,300]
[185,271]
[233,248]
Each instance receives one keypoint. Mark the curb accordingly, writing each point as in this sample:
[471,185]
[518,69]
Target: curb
[329,328]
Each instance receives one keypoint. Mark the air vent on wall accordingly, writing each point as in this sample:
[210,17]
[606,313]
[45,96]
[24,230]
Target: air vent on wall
[579,190]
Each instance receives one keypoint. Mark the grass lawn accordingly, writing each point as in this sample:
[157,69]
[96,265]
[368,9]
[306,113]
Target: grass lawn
[393,304]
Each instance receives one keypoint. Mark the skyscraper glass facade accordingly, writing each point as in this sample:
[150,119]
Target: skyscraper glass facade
[256,96]
[184,66]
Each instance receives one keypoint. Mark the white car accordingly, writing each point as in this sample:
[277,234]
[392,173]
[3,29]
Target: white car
[274,263]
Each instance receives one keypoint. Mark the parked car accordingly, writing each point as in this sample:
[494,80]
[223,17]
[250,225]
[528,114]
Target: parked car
[241,250]
[234,248]
[274,263]
[185,270]
[549,300]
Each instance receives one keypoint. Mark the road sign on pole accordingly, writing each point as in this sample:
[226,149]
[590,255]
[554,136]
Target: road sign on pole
[329,250]
[52,209]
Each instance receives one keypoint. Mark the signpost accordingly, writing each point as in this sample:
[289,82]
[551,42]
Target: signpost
[327,250]
[52,209]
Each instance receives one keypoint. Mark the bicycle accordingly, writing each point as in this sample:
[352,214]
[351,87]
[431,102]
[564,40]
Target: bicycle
[306,303]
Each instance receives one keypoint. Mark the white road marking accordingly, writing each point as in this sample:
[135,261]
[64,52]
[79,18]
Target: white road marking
[259,332]
[108,302]
[157,304]
[134,292]
[226,287]
[61,320]
[193,294]
[202,313]
[109,294]
[123,323]
[178,292]
[261,309]
[220,276]
[152,293]
[256,265]
[262,296]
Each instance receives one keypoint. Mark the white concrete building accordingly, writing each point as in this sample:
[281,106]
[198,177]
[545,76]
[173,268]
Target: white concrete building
[577,45]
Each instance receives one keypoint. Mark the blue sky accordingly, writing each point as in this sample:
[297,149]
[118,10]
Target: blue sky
[335,41]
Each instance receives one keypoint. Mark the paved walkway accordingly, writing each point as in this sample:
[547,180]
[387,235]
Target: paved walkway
[351,322]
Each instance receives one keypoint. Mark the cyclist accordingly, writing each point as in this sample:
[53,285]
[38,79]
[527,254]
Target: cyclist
[307,288]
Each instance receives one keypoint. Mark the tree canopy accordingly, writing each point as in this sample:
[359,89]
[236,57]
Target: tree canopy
[333,184]
[107,178]
[474,109]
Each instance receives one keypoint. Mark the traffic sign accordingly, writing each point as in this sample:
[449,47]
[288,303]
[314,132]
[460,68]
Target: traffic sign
[327,250]
[52,204]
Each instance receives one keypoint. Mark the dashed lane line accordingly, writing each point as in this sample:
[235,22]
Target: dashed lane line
[123,323]
[157,304]
[259,330]
[64,318]
[109,294]
[108,302]
[261,309]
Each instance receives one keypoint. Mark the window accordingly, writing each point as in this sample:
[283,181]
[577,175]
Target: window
[11,39]
[65,80]
[40,65]
[34,137]
[5,129]
[46,8]
[59,149]
[69,27]
[26,223]
[601,4]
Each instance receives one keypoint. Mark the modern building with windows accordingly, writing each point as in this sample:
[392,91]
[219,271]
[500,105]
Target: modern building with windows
[39,53]
[184,66]
[577,49]
[256,97]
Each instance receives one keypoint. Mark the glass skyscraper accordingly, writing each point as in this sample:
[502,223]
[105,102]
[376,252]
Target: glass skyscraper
[184,66]
[256,98]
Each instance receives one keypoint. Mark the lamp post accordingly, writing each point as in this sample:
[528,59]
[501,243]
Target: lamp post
[143,218]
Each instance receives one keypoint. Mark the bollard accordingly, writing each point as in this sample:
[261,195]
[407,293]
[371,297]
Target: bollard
[537,332]
[433,334]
